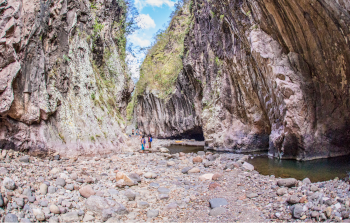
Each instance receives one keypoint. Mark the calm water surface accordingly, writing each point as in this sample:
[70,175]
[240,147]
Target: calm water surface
[316,170]
[185,149]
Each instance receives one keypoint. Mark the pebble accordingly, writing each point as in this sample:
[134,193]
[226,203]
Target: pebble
[39,214]
[167,190]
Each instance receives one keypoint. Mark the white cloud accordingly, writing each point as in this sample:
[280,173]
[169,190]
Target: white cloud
[134,64]
[157,3]
[136,40]
[144,21]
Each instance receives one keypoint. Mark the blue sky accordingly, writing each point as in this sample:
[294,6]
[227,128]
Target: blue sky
[153,15]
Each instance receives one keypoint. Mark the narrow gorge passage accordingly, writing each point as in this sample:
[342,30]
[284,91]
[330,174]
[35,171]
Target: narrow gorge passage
[241,110]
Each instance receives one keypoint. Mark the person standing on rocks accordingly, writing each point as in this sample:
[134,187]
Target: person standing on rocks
[143,142]
[133,131]
[150,141]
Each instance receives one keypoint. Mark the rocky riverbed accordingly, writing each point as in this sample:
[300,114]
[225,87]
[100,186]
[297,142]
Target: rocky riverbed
[158,186]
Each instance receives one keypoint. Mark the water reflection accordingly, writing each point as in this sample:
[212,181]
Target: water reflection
[316,170]
[185,149]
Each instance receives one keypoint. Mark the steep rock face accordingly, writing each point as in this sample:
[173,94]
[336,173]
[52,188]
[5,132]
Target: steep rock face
[174,117]
[63,86]
[274,75]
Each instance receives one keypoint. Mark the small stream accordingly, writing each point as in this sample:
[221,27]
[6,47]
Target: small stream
[315,170]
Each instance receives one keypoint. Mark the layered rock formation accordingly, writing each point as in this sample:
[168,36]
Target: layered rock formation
[63,84]
[269,74]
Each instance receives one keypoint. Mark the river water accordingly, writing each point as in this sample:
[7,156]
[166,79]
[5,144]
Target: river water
[315,170]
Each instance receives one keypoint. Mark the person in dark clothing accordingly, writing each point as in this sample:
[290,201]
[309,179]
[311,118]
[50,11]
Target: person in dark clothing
[150,141]
[133,132]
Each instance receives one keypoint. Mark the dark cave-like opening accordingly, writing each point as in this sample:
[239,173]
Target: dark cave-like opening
[195,133]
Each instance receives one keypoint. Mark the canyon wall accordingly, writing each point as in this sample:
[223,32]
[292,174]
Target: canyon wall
[261,75]
[63,81]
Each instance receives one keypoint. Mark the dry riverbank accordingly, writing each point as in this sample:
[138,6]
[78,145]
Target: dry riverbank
[160,187]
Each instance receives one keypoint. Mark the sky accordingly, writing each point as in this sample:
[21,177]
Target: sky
[153,15]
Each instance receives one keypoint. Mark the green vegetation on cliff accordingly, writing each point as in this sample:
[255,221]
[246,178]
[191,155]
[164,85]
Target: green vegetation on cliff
[163,62]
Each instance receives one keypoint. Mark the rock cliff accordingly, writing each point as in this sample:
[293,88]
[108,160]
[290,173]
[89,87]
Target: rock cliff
[261,75]
[63,80]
